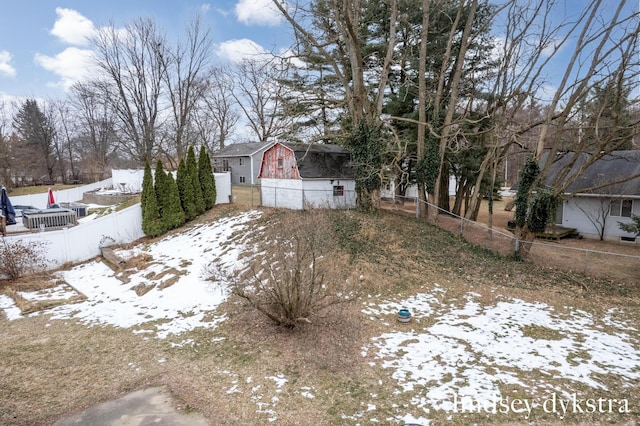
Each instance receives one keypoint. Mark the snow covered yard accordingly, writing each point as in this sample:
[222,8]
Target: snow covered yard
[511,357]
[169,294]
[465,357]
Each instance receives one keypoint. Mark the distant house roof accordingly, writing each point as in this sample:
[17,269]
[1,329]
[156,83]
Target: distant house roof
[608,175]
[318,161]
[242,149]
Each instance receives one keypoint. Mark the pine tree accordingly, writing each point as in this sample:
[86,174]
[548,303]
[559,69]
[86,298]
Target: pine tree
[207,180]
[147,181]
[151,221]
[173,214]
[192,170]
[160,187]
[185,189]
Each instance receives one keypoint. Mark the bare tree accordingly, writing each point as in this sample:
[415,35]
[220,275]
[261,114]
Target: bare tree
[133,63]
[216,115]
[62,117]
[96,127]
[606,45]
[37,134]
[260,95]
[185,72]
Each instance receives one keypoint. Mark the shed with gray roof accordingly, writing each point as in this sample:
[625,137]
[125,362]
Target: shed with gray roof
[298,176]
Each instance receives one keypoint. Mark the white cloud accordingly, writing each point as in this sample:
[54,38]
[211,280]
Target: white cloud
[5,64]
[261,12]
[239,50]
[72,64]
[205,7]
[72,28]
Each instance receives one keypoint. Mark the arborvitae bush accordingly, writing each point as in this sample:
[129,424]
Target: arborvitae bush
[173,215]
[160,186]
[147,180]
[207,180]
[152,224]
[168,198]
[185,188]
[192,171]
[633,227]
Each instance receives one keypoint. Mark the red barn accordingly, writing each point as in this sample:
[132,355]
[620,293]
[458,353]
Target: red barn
[298,176]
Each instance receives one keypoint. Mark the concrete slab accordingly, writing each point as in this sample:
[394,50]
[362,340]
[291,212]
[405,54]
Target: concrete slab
[153,406]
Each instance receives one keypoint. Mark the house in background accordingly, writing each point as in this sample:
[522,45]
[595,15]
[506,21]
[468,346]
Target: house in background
[242,160]
[297,176]
[606,192]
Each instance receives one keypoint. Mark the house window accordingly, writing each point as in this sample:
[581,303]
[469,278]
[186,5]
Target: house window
[338,190]
[243,179]
[241,161]
[280,163]
[225,165]
[621,208]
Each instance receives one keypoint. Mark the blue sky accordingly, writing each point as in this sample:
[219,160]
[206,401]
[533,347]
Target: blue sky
[42,46]
[42,49]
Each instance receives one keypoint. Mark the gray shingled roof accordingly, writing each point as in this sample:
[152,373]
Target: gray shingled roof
[611,168]
[317,161]
[241,149]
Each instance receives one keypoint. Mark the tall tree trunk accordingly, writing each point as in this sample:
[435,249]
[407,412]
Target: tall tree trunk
[422,105]
[453,99]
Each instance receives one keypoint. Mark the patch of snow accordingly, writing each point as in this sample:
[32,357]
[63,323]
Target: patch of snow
[280,381]
[470,351]
[182,306]
[60,292]
[9,307]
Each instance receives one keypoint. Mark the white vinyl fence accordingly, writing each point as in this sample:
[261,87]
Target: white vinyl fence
[130,180]
[39,201]
[83,242]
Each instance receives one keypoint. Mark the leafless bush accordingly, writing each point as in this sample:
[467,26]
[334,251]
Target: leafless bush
[19,258]
[290,284]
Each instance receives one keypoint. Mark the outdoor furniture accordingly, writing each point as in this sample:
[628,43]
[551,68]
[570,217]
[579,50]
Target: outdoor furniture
[54,218]
[80,209]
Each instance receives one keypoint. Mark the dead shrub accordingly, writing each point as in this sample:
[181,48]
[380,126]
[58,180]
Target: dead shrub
[19,258]
[289,283]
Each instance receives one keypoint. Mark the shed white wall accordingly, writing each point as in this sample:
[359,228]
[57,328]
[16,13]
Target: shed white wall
[285,193]
[300,193]
[319,194]
[576,213]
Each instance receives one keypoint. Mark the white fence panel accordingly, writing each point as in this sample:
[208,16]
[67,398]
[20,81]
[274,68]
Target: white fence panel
[223,187]
[61,196]
[82,242]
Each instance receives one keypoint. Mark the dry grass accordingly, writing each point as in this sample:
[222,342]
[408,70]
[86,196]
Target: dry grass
[41,189]
[49,368]
[586,256]
[246,195]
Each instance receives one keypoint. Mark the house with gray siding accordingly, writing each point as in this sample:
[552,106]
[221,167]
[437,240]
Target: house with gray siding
[604,194]
[242,160]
